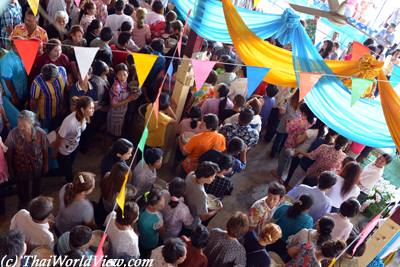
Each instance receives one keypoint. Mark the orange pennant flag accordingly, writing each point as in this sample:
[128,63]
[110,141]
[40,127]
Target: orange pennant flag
[307,82]
[358,51]
[143,65]
[27,50]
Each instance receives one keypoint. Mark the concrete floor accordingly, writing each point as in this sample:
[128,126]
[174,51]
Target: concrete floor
[249,185]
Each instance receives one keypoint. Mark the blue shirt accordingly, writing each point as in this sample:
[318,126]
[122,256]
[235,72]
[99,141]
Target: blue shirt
[291,226]
[11,68]
[322,203]
[257,255]
[269,102]
[149,224]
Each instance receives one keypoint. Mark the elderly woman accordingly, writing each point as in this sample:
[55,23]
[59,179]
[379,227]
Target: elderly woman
[58,29]
[53,54]
[27,156]
[46,94]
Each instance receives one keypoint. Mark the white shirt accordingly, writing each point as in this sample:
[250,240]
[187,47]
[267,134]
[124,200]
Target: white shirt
[70,131]
[153,17]
[122,241]
[36,234]
[342,228]
[335,193]
[114,21]
[370,177]
[255,123]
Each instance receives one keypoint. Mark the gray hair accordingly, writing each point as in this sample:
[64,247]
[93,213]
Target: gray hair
[61,15]
[49,71]
[28,116]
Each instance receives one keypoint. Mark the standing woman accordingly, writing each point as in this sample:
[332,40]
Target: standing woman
[70,132]
[121,151]
[27,156]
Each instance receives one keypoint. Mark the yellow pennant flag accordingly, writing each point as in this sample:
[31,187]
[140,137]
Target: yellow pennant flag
[34,5]
[143,65]
[121,196]
[256,3]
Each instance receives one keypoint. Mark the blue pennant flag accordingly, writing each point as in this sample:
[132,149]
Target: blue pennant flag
[395,77]
[254,77]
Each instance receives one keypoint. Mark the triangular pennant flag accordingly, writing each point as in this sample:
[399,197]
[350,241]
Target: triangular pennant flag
[143,139]
[395,76]
[358,51]
[84,57]
[34,5]
[256,3]
[98,258]
[307,82]
[121,196]
[358,87]
[367,230]
[179,44]
[201,70]
[169,72]
[27,50]
[77,2]
[254,77]
[143,64]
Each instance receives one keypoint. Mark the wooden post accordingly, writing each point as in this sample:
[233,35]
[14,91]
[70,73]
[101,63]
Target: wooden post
[380,238]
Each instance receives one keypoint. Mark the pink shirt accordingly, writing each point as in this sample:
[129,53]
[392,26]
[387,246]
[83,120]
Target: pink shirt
[141,36]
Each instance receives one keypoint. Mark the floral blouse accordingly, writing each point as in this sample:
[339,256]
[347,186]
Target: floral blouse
[327,158]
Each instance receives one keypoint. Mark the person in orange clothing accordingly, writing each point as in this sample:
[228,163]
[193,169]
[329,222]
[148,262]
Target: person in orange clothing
[202,142]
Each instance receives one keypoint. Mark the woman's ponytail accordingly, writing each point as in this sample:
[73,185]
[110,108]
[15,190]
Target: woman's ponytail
[302,204]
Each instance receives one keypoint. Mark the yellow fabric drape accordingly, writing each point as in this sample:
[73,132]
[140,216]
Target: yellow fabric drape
[256,52]
[391,107]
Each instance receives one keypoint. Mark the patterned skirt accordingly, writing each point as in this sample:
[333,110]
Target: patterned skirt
[115,120]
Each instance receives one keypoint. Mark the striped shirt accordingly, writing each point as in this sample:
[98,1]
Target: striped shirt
[49,95]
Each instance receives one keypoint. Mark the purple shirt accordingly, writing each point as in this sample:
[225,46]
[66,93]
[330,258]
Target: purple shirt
[269,102]
[211,106]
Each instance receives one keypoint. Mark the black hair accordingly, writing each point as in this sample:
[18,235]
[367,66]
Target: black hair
[387,157]
[80,235]
[152,155]
[157,45]
[212,78]
[320,126]
[235,145]
[106,34]
[307,112]
[372,48]
[135,3]
[125,26]
[95,24]
[99,67]
[246,116]
[128,10]
[223,91]
[146,50]
[177,189]
[206,169]
[211,121]
[157,7]
[225,162]
[164,101]
[123,38]
[340,142]
[325,225]
[325,52]
[200,237]
[271,90]
[350,208]
[195,115]
[331,249]
[368,42]
[12,245]
[173,250]
[302,204]
[40,208]
[229,65]
[121,146]
[119,5]
[239,100]
[151,197]
[131,213]
[326,180]
[120,67]
[275,188]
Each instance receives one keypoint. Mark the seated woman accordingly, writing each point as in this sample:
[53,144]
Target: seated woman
[291,219]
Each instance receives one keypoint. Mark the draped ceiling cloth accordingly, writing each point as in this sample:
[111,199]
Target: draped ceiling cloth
[329,99]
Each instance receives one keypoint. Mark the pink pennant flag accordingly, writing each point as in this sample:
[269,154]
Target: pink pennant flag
[179,45]
[77,2]
[367,230]
[307,82]
[98,258]
[201,70]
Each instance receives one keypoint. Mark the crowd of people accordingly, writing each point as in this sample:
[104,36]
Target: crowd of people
[305,218]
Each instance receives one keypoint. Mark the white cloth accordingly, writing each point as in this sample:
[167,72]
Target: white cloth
[70,131]
[153,17]
[114,21]
[311,136]
[122,241]
[370,177]
[342,228]
[336,196]
[36,234]
[238,87]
